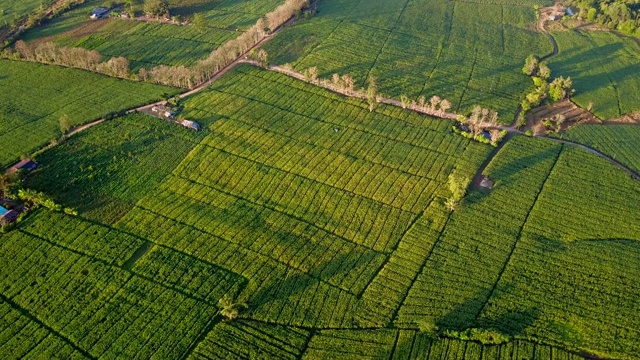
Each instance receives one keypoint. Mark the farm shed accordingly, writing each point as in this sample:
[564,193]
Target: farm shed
[27,165]
[99,13]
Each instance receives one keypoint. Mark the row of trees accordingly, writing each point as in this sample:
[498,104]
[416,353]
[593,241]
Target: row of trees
[80,58]
[231,50]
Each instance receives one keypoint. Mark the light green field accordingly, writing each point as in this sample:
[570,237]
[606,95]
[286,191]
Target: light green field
[469,53]
[604,69]
[34,97]
[328,221]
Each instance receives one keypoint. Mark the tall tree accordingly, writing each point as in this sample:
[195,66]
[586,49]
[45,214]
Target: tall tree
[372,93]
[200,22]
[156,8]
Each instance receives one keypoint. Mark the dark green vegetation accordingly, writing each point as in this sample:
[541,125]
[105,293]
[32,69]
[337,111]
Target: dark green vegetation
[604,69]
[466,52]
[619,14]
[147,44]
[329,222]
[35,97]
[619,142]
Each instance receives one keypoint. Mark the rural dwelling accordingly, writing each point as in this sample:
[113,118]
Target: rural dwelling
[27,165]
[169,114]
[99,13]
[7,216]
[190,124]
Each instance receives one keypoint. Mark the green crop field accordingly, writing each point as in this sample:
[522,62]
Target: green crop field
[619,142]
[604,69]
[34,97]
[329,222]
[11,9]
[147,44]
[467,52]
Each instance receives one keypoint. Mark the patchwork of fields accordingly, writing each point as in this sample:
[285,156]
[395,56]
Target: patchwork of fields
[604,69]
[34,97]
[328,221]
[469,53]
[147,44]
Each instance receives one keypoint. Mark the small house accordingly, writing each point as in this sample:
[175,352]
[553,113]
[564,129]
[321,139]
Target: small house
[99,13]
[169,114]
[27,165]
[7,216]
[190,125]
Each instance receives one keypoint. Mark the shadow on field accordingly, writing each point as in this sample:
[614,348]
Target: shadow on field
[469,315]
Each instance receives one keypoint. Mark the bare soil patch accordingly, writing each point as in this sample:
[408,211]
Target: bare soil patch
[573,115]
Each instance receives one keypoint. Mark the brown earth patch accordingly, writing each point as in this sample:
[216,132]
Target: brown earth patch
[573,115]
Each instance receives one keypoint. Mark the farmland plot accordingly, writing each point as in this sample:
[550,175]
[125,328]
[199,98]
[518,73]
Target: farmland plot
[468,53]
[34,97]
[619,142]
[604,70]
[114,165]
[576,269]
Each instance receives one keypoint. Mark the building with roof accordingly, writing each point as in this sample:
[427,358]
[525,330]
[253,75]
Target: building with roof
[190,124]
[27,165]
[99,13]
[7,216]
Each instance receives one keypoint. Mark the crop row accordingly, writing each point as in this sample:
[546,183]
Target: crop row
[102,309]
[273,234]
[469,258]
[245,339]
[379,183]
[276,293]
[357,218]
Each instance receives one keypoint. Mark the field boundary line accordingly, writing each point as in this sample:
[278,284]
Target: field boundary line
[24,312]
[445,42]
[394,317]
[519,236]
[473,69]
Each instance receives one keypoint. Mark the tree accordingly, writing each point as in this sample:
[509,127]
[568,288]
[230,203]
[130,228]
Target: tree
[531,65]
[230,310]
[65,123]
[348,83]
[560,88]
[200,22]
[543,71]
[496,136]
[435,101]
[156,8]
[458,187]
[313,74]
[372,93]
[445,105]
[591,14]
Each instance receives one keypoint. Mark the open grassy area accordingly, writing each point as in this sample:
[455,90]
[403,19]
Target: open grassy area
[467,52]
[604,69]
[34,97]
[148,44]
[329,222]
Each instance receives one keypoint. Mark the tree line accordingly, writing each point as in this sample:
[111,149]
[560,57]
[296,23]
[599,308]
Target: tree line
[621,15]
